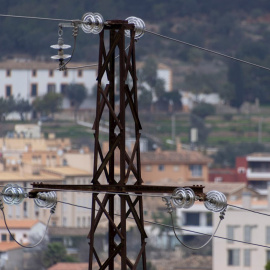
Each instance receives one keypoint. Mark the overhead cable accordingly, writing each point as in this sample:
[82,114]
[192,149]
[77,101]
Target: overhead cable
[207,50]
[152,33]
[176,228]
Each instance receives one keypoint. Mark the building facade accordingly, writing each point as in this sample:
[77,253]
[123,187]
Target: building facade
[241,225]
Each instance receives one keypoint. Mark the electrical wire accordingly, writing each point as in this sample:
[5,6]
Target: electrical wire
[11,235]
[178,228]
[249,210]
[152,33]
[94,65]
[38,18]
[207,50]
[189,247]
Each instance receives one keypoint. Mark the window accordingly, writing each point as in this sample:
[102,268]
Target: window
[34,72]
[12,237]
[64,221]
[78,222]
[234,257]
[248,233]
[161,167]
[247,257]
[209,219]
[8,91]
[230,233]
[64,89]
[33,90]
[218,179]
[175,168]
[196,170]
[50,73]
[192,218]
[268,235]
[51,88]
[8,72]
[148,168]
[80,73]
[3,237]
[267,255]
[25,209]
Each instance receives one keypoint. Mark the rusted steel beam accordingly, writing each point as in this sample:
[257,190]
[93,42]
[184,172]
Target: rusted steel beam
[150,189]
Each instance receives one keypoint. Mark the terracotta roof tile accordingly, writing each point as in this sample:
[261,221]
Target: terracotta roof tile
[19,223]
[69,266]
[6,246]
[172,157]
[66,171]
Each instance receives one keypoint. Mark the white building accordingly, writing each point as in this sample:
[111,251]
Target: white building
[24,231]
[243,226]
[29,79]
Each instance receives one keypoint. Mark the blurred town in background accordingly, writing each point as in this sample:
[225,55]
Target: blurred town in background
[205,122]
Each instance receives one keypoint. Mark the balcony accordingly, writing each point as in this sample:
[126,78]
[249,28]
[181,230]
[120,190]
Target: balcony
[262,174]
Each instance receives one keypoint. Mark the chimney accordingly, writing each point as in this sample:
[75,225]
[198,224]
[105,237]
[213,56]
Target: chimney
[246,199]
[178,145]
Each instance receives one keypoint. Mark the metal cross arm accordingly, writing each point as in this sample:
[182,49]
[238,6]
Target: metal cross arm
[142,189]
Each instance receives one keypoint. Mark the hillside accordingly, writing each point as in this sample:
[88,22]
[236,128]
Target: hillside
[239,28]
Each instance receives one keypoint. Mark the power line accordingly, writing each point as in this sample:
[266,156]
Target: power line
[126,194]
[249,210]
[207,50]
[178,228]
[150,32]
[37,18]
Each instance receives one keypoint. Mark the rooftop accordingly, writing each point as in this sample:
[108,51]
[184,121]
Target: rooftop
[69,266]
[66,171]
[19,223]
[30,64]
[6,246]
[19,177]
[174,157]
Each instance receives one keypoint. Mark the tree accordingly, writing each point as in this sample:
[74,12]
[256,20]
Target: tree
[225,157]
[203,110]
[48,104]
[54,253]
[172,98]
[267,266]
[6,107]
[236,79]
[22,106]
[150,85]
[76,93]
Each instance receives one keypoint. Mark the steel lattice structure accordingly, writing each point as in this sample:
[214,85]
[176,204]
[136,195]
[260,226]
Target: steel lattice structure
[116,188]
[129,163]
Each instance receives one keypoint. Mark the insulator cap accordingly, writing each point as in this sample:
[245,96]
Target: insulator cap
[61,57]
[139,27]
[215,201]
[13,194]
[190,198]
[60,44]
[179,197]
[92,23]
[46,199]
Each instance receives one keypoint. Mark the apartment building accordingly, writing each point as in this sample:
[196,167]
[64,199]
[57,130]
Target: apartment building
[174,166]
[65,215]
[244,226]
[253,169]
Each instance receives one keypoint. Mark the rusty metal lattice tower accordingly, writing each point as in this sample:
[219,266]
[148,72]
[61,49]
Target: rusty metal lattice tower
[105,161]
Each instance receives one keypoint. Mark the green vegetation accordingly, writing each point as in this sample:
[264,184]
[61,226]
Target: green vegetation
[54,253]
